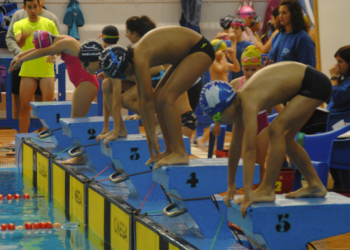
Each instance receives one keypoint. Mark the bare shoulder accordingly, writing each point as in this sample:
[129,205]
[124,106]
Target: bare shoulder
[235,83]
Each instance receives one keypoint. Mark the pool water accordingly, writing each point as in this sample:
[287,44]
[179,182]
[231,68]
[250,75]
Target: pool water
[70,236]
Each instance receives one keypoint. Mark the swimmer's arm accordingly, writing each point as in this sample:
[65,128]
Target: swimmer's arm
[234,66]
[145,95]
[267,46]
[117,105]
[22,37]
[249,145]
[37,53]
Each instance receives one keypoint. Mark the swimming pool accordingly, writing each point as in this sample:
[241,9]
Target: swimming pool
[36,209]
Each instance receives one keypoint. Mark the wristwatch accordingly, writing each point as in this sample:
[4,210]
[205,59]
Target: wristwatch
[334,78]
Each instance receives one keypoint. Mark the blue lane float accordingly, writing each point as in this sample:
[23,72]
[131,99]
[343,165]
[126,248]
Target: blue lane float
[129,155]
[192,188]
[84,131]
[50,113]
[291,224]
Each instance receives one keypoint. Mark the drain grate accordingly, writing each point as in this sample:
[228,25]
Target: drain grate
[8,165]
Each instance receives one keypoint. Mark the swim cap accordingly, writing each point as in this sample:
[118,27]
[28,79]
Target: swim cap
[90,51]
[42,39]
[251,56]
[246,11]
[255,21]
[225,21]
[110,34]
[238,21]
[114,61]
[216,96]
[218,45]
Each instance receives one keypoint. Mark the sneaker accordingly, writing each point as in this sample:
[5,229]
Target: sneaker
[11,145]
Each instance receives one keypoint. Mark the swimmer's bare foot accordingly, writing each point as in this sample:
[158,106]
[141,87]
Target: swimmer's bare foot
[309,192]
[259,195]
[151,160]
[74,161]
[172,159]
[122,134]
[201,143]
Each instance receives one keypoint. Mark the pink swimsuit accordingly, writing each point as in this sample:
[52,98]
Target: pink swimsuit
[263,120]
[76,72]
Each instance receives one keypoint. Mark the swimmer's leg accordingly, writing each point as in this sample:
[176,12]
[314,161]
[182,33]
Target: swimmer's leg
[26,93]
[182,78]
[83,96]
[282,132]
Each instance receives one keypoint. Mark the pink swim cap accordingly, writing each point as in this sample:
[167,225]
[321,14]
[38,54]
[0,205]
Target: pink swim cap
[246,11]
[42,39]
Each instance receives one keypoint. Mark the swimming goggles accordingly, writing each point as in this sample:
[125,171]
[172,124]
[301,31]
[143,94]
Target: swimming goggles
[238,24]
[115,60]
[108,36]
[253,59]
[217,117]
[217,45]
[246,14]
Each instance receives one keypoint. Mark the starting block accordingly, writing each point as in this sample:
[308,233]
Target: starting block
[290,224]
[130,156]
[50,113]
[84,130]
[191,187]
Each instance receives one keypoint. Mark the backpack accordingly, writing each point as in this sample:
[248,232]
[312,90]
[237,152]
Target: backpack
[6,12]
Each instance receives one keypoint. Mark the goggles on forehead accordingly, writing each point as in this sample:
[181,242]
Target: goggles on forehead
[247,14]
[217,117]
[238,24]
[116,61]
[253,59]
[108,36]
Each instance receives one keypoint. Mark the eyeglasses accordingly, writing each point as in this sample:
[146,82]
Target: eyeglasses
[115,60]
[217,117]
[253,59]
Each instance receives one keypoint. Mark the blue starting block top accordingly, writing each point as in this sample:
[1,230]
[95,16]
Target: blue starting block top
[50,113]
[87,128]
[200,178]
[290,224]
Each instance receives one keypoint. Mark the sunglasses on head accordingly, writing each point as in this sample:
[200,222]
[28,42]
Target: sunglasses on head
[253,59]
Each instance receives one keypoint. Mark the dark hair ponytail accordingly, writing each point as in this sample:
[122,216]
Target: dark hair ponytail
[141,25]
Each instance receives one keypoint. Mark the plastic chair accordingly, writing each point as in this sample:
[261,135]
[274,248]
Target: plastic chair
[319,147]
[333,118]
[339,162]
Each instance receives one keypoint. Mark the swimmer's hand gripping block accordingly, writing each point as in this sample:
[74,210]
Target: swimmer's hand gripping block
[194,184]
[290,224]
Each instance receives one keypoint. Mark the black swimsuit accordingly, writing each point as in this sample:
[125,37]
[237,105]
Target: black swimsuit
[315,85]
[204,46]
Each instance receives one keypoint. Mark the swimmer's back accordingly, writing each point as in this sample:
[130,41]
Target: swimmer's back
[275,84]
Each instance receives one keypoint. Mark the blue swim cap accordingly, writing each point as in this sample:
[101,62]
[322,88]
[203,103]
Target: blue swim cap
[216,96]
[114,61]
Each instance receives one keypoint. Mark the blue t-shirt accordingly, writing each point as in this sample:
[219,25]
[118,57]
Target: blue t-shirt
[240,49]
[340,98]
[297,47]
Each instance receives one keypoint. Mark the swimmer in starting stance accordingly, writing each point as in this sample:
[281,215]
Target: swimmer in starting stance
[304,88]
[189,55]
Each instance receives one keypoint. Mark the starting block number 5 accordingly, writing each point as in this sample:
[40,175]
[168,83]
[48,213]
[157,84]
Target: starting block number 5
[283,225]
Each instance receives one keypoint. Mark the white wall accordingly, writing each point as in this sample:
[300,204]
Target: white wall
[333,29]
[99,13]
